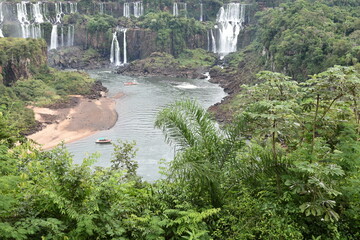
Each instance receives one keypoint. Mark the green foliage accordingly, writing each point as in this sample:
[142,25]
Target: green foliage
[172,31]
[100,23]
[306,37]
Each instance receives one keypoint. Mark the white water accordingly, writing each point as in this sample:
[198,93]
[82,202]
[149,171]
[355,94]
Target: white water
[54,37]
[38,16]
[175,9]
[201,13]
[138,9]
[115,51]
[230,20]
[58,11]
[126,10]
[22,17]
[124,47]
[185,9]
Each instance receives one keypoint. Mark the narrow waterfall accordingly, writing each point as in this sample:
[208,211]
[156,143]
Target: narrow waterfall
[213,42]
[70,35]
[185,9]
[201,13]
[1,18]
[124,46]
[126,10]
[230,20]
[175,9]
[101,6]
[54,37]
[62,36]
[115,51]
[138,9]
[208,41]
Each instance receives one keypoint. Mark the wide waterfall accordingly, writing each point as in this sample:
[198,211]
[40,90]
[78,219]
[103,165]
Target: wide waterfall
[115,51]
[23,19]
[230,20]
[54,37]
[126,10]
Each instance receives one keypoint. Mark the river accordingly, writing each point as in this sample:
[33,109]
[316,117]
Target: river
[136,116]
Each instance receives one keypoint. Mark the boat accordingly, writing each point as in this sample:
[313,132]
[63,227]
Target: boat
[131,83]
[103,140]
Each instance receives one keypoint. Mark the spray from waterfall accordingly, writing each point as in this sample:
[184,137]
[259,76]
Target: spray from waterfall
[230,20]
[115,51]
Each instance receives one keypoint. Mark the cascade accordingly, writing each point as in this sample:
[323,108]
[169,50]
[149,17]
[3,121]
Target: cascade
[70,35]
[138,9]
[23,19]
[58,11]
[126,10]
[201,13]
[115,51]
[175,9]
[38,17]
[124,46]
[230,20]
[54,37]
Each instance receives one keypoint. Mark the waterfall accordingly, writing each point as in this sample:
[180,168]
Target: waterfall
[115,51]
[230,20]
[1,19]
[201,13]
[213,42]
[38,17]
[62,36]
[124,46]
[185,9]
[58,11]
[70,35]
[23,19]
[126,10]
[208,41]
[54,37]
[175,9]
[101,5]
[138,9]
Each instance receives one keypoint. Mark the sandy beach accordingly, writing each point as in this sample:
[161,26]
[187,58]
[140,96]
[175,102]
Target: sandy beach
[70,124]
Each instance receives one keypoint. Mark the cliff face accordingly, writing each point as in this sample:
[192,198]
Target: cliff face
[19,58]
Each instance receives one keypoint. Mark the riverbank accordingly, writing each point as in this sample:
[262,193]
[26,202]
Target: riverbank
[69,124]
